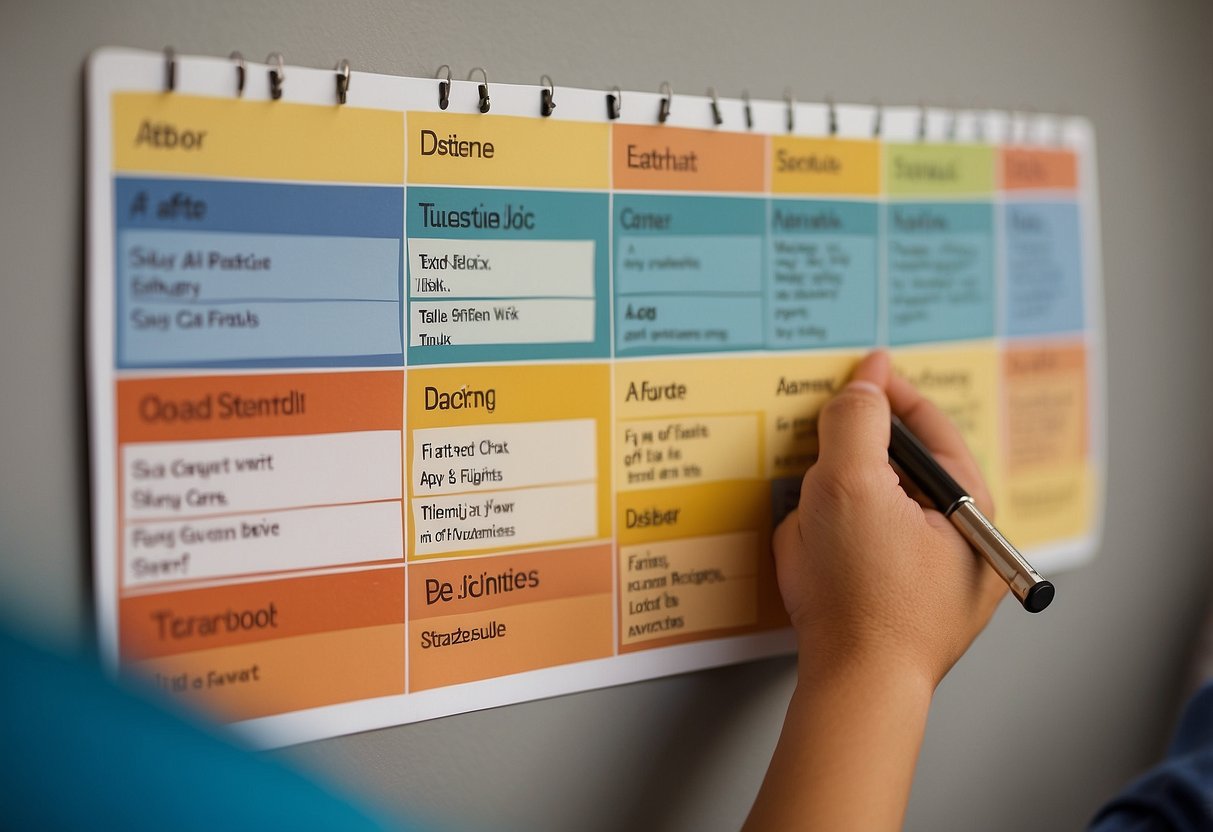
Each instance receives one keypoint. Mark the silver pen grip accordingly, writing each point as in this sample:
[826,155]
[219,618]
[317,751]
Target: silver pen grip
[1032,590]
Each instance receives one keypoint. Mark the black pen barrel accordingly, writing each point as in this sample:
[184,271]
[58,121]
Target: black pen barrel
[916,461]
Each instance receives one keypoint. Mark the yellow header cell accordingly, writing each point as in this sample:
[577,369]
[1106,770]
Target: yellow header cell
[463,149]
[173,133]
[824,166]
[939,169]
[442,397]
[660,387]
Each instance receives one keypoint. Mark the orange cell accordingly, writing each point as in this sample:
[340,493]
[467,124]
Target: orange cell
[1028,168]
[474,585]
[227,407]
[453,649]
[289,674]
[1046,407]
[199,619]
[678,159]
[766,605]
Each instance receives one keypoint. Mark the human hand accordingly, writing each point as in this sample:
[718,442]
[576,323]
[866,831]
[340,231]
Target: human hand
[869,574]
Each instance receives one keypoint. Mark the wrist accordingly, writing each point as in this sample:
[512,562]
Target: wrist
[846,755]
[898,673]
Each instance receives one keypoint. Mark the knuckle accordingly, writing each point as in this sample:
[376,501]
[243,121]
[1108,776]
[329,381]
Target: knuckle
[842,484]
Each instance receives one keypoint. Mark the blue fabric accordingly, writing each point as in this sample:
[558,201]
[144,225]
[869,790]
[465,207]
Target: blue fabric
[1177,794]
[77,752]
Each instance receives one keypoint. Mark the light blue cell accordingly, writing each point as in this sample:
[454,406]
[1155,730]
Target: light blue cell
[657,324]
[688,263]
[940,272]
[1044,291]
[258,207]
[822,274]
[155,266]
[317,266]
[264,334]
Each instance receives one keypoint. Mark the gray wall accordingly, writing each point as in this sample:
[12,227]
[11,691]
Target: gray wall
[1047,715]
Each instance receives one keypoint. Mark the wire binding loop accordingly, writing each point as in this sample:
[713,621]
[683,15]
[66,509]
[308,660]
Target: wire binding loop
[343,80]
[170,69]
[614,103]
[922,121]
[791,102]
[482,89]
[444,87]
[241,73]
[277,74]
[749,109]
[877,118]
[547,96]
[663,110]
[716,117]
[831,116]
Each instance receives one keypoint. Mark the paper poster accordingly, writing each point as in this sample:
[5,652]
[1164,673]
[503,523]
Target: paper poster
[400,411]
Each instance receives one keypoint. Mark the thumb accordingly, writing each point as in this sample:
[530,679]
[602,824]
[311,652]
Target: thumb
[853,428]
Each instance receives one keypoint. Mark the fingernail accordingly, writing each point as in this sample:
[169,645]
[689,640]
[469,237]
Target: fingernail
[867,386]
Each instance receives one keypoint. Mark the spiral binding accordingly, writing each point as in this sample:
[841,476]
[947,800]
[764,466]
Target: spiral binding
[547,96]
[663,109]
[716,117]
[444,87]
[241,73]
[277,74]
[482,89]
[343,80]
[1017,124]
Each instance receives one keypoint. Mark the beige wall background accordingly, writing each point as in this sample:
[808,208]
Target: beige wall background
[1044,719]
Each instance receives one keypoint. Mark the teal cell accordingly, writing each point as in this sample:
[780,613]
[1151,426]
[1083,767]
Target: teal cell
[940,261]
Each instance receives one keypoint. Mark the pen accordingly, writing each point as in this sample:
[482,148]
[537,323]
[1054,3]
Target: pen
[1033,591]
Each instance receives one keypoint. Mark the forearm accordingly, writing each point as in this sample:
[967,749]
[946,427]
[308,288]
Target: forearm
[846,756]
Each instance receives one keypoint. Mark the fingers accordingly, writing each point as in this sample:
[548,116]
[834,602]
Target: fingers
[942,438]
[925,420]
[873,368]
[853,428]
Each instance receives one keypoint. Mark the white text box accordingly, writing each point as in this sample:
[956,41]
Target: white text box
[492,457]
[254,543]
[452,323]
[501,268]
[499,519]
[187,479]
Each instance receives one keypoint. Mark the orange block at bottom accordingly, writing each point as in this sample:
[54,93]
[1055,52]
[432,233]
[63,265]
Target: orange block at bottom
[287,674]
[449,650]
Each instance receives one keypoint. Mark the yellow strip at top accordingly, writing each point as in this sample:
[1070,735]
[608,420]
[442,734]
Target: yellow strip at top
[173,133]
[458,149]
